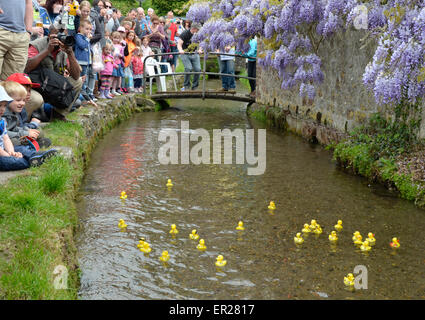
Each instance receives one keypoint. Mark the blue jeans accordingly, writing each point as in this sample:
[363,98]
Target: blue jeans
[84,71]
[88,85]
[227,66]
[191,63]
[12,163]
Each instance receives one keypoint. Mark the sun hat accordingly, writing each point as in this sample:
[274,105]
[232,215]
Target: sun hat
[22,78]
[121,29]
[4,96]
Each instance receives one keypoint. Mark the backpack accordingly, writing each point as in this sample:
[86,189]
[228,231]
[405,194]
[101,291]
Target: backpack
[55,88]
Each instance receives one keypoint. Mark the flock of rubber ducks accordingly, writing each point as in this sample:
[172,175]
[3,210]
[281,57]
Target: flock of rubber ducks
[364,246]
[145,247]
[313,227]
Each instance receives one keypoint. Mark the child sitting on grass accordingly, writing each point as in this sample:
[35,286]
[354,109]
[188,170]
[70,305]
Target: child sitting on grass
[21,157]
[19,130]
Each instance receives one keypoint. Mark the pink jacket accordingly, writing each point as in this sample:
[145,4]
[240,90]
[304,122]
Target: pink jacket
[137,65]
[109,65]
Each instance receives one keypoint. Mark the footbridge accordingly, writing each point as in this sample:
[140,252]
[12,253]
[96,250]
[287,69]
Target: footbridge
[162,73]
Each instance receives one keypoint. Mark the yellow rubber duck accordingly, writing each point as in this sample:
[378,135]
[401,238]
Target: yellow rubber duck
[240,226]
[371,238]
[317,229]
[201,245]
[174,229]
[349,280]
[313,224]
[169,183]
[333,237]
[298,239]
[306,228]
[365,246]
[122,224]
[194,235]
[355,234]
[141,243]
[220,262]
[164,256]
[145,248]
[358,240]
[338,226]
[395,243]
[272,206]
[123,195]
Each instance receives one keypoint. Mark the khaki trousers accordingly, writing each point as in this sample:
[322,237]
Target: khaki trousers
[13,52]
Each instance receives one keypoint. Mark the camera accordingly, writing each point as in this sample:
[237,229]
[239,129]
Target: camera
[73,7]
[68,41]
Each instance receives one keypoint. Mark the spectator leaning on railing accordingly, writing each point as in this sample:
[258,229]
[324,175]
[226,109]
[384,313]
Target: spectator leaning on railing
[16,19]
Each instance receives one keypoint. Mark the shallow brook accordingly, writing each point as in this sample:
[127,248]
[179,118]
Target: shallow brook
[262,261]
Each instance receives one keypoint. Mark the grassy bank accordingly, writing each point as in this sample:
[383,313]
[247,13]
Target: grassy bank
[38,216]
[388,152]
[37,219]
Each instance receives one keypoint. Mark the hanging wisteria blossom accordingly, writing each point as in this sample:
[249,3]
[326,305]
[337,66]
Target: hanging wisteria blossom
[292,31]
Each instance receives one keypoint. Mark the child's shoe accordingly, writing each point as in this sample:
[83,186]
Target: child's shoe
[39,158]
[102,94]
[107,95]
[115,93]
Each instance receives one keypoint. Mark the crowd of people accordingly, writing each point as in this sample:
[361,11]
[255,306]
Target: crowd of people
[64,54]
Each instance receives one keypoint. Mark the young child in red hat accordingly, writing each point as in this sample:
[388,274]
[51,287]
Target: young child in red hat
[22,130]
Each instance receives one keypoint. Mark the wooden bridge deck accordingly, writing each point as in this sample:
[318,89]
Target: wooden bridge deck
[210,94]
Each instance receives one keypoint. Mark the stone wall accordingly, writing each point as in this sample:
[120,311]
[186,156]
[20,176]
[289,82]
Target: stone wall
[342,101]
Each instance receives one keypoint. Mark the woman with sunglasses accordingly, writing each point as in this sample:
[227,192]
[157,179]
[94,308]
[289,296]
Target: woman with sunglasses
[156,36]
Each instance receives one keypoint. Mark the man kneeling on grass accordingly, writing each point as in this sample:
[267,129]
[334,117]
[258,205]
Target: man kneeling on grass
[21,157]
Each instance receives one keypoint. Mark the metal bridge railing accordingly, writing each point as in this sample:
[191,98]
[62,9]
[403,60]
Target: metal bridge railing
[203,72]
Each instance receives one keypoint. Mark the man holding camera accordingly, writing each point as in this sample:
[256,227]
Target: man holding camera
[54,52]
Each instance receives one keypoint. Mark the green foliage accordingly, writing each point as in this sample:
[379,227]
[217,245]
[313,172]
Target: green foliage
[259,115]
[126,5]
[163,6]
[408,189]
[356,156]
[56,179]
[372,149]
[244,82]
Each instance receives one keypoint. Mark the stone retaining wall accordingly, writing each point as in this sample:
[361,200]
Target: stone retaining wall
[342,101]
